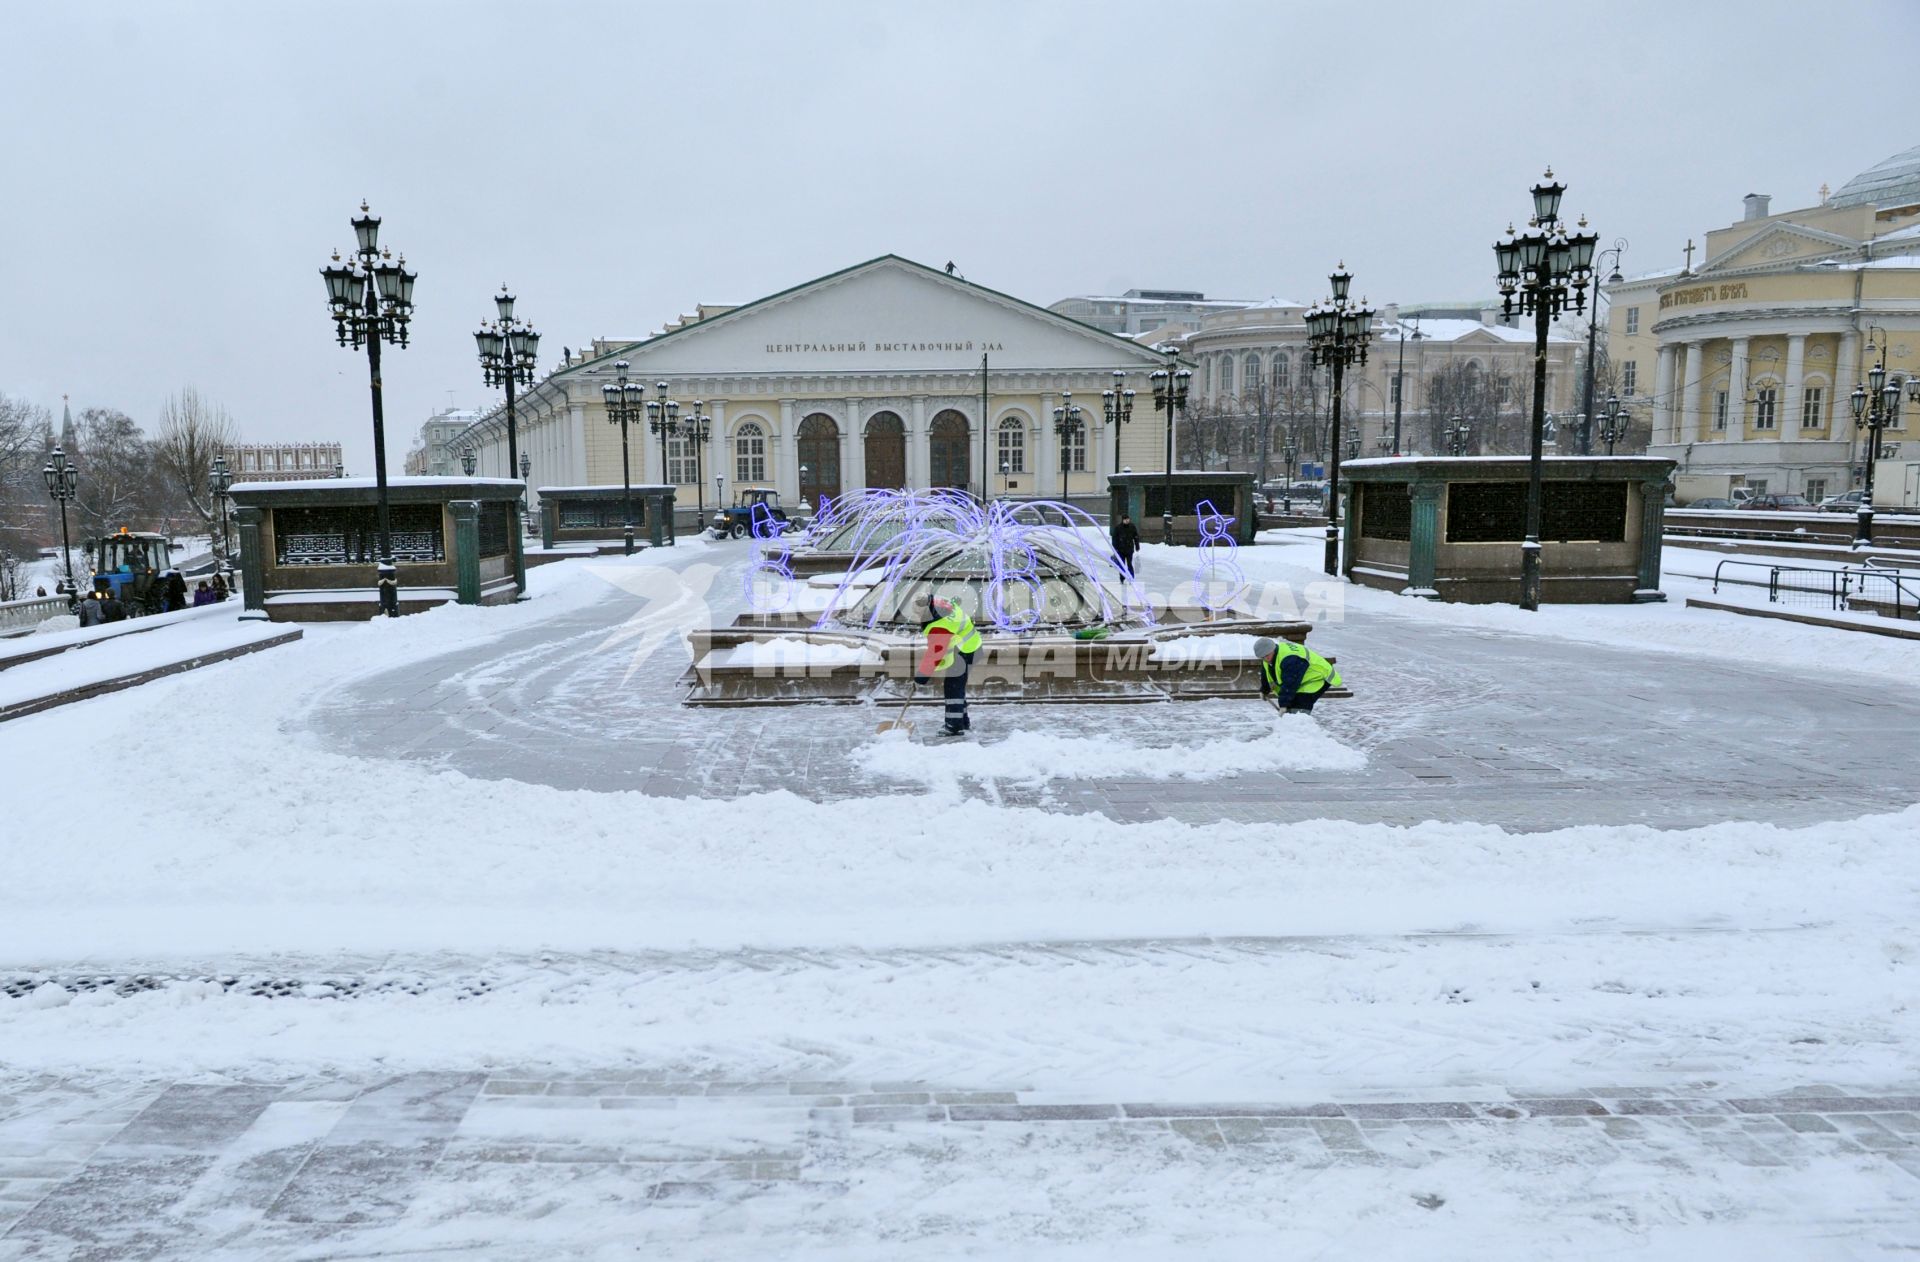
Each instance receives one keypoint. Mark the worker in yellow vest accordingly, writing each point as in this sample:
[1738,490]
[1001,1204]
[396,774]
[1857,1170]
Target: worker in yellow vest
[961,638]
[1293,674]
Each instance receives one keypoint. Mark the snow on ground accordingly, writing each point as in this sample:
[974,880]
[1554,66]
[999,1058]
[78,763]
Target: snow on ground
[114,657]
[1296,743]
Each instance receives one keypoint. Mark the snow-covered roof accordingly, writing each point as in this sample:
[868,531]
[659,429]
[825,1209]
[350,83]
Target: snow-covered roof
[1273,304]
[1454,330]
[1902,234]
[1662,274]
[1894,181]
[367,483]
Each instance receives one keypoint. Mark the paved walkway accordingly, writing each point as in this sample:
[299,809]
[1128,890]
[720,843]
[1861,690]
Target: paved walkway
[623,1162]
[1452,719]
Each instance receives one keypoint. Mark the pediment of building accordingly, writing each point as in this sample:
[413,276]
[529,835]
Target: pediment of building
[1778,245]
[886,316]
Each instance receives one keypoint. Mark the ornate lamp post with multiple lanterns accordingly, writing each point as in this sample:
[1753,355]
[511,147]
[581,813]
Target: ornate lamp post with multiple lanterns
[63,484]
[624,405]
[1542,272]
[698,427]
[371,300]
[509,349]
[1337,334]
[663,418]
[1457,435]
[1170,388]
[1117,405]
[1613,422]
[1069,421]
[219,482]
[1875,406]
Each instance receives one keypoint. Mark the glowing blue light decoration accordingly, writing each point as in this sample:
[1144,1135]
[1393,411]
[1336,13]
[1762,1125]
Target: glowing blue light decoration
[772,566]
[901,534]
[1217,546]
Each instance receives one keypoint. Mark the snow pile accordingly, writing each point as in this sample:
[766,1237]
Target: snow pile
[1200,647]
[1297,743]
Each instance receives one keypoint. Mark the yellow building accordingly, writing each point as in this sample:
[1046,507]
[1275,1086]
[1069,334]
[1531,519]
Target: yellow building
[886,374]
[1748,360]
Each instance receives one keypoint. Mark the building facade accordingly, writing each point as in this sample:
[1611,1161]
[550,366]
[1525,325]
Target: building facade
[1144,310]
[1254,361]
[1748,360]
[283,462]
[887,374]
[435,453]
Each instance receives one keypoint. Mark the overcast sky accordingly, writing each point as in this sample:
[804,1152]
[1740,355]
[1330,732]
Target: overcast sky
[178,172]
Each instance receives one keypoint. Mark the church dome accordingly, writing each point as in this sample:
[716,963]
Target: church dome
[1895,182]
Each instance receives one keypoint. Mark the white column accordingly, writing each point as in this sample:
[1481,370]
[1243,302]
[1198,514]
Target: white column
[1045,464]
[1737,393]
[576,462]
[1693,371]
[1666,425]
[1789,409]
[853,451]
[919,470]
[786,471]
[719,455]
[1846,370]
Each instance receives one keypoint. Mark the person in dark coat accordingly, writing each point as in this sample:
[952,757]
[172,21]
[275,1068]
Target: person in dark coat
[176,591]
[90,610]
[219,586]
[1126,542]
[111,608]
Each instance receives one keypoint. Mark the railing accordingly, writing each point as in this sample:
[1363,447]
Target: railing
[1881,589]
[33,610]
[1768,536]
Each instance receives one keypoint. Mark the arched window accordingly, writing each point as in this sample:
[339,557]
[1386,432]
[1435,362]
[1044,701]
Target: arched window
[1013,444]
[749,453]
[1226,374]
[1250,373]
[1281,374]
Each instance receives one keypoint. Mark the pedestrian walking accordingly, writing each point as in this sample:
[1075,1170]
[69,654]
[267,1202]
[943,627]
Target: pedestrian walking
[176,591]
[953,634]
[1293,675]
[1126,542]
[219,586]
[89,610]
[112,609]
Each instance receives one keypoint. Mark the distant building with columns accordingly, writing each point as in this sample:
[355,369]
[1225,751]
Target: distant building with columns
[869,377]
[1745,363]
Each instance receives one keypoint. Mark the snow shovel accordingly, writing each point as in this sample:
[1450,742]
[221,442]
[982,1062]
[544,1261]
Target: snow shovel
[936,649]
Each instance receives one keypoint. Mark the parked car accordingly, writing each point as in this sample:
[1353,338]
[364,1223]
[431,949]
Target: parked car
[1779,503]
[1845,502]
[1710,502]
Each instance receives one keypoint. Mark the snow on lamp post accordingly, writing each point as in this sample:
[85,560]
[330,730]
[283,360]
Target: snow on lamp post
[370,297]
[219,481]
[1875,407]
[468,460]
[698,426]
[1069,423]
[1613,427]
[1542,272]
[1117,405]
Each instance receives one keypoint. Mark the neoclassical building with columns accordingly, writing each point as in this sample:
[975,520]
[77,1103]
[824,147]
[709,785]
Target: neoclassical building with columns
[1747,362]
[886,374]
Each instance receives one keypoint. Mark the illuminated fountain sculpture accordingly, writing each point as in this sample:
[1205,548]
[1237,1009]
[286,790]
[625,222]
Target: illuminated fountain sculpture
[838,617]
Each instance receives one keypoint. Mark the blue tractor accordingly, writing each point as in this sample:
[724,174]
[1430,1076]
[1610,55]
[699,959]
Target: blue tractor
[737,522]
[133,565]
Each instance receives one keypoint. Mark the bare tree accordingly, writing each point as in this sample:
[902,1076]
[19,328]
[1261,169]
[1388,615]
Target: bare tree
[25,435]
[1484,400]
[118,481]
[193,430]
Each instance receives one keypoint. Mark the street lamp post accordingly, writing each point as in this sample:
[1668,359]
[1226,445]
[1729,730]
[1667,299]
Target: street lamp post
[1337,334]
[1170,388]
[623,400]
[699,428]
[526,499]
[63,483]
[1543,271]
[1614,427]
[219,480]
[1400,378]
[469,458]
[1614,277]
[1117,404]
[1875,407]
[1457,435]
[1290,452]
[371,300]
[1068,420]
[509,350]
[663,418]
